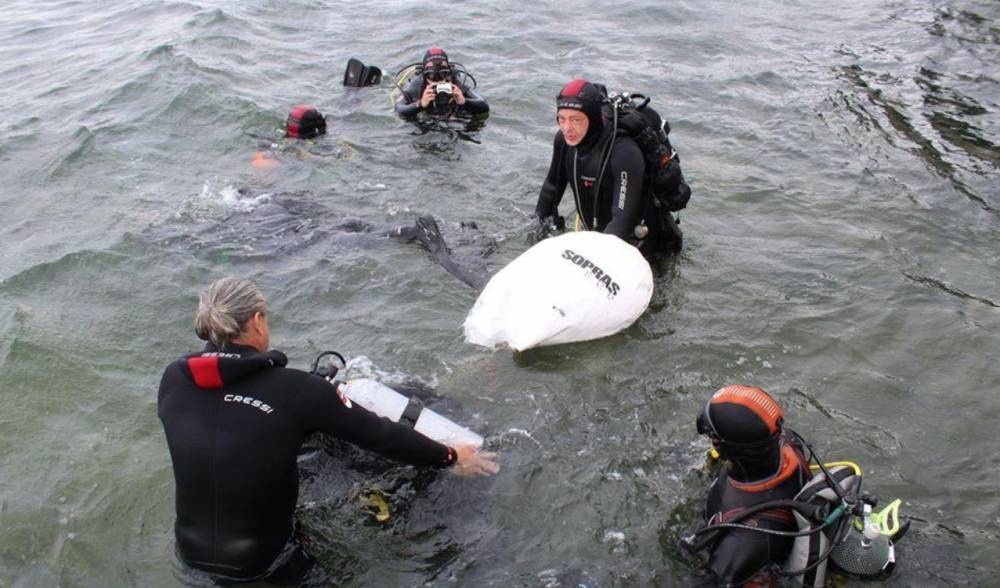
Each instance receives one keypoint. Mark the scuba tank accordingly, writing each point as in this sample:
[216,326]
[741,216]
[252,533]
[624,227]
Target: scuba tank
[866,551]
[386,402]
[855,539]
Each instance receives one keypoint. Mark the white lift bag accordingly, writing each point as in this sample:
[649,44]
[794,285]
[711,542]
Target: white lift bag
[574,287]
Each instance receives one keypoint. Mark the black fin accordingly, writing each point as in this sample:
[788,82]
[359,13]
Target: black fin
[358,75]
[429,235]
[901,531]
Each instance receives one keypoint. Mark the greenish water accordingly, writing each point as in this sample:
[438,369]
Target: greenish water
[840,253]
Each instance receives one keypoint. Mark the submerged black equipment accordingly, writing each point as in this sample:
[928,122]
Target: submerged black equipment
[328,371]
[358,75]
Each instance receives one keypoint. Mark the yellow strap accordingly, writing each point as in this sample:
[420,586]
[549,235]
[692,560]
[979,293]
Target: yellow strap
[837,464]
[402,77]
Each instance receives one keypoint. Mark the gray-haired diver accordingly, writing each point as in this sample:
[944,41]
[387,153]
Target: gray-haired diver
[235,418]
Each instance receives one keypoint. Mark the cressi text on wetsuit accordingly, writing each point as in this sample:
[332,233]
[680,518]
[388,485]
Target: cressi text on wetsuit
[235,420]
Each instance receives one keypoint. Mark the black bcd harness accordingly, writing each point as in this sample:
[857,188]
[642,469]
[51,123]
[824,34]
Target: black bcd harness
[634,117]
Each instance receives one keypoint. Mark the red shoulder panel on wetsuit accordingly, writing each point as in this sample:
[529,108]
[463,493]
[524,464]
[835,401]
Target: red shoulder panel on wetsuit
[205,371]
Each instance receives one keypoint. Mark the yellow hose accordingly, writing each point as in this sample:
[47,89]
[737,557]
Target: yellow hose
[403,76]
[836,464]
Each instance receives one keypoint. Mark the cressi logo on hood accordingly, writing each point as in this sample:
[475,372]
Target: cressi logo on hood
[214,369]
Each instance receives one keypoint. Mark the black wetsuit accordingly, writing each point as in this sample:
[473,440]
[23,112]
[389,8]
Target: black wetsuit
[620,204]
[740,554]
[234,423]
[408,103]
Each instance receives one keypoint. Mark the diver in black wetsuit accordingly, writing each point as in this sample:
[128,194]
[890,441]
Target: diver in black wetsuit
[606,173]
[763,464]
[235,418]
[437,90]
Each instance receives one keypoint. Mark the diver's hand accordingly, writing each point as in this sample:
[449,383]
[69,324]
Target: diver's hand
[541,230]
[428,96]
[551,223]
[472,462]
[456,94]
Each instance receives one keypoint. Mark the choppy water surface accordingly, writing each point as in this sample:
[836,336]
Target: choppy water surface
[841,253]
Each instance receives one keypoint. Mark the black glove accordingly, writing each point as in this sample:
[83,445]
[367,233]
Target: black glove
[552,223]
[546,226]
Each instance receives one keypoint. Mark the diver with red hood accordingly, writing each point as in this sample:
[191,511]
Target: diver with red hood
[303,127]
[440,88]
[606,169]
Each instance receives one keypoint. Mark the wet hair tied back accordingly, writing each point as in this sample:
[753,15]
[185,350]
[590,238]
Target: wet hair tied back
[224,309]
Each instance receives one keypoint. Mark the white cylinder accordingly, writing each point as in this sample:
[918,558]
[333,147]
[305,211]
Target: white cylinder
[386,402]
[376,397]
[440,429]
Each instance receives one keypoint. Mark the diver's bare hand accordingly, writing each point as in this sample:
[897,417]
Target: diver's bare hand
[458,96]
[472,462]
[428,96]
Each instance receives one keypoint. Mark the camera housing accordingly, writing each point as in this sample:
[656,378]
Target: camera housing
[443,91]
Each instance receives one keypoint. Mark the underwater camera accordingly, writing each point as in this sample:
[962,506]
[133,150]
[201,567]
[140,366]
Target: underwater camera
[443,92]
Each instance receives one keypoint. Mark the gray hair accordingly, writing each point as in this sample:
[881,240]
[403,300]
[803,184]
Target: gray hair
[224,309]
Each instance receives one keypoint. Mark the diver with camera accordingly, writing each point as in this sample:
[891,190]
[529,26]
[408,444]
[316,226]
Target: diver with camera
[437,87]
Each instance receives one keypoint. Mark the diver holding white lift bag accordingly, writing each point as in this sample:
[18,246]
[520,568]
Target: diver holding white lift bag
[386,402]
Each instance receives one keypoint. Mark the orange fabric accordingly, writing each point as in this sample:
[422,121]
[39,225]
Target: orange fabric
[755,399]
[262,161]
[791,461]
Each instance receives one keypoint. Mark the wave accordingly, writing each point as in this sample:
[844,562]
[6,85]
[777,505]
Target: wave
[949,289]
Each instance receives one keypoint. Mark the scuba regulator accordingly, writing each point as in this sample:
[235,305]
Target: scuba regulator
[329,371]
